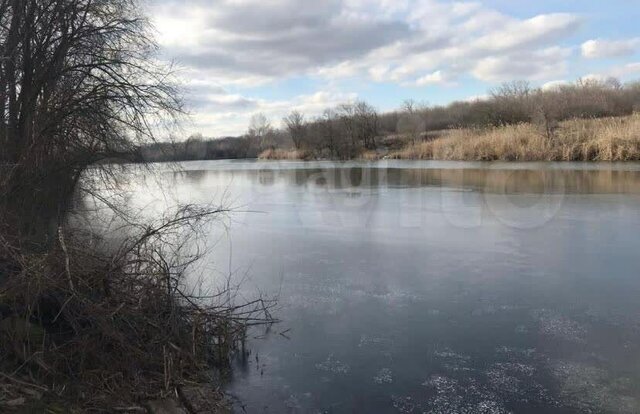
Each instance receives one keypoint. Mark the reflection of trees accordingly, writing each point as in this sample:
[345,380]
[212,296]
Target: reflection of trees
[195,176]
[522,181]
[266,177]
[190,176]
[535,181]
[331,178]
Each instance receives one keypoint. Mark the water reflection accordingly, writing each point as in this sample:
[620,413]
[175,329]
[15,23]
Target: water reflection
[442,290]
[517,181]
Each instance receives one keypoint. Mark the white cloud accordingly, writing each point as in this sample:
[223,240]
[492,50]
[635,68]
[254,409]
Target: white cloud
[630,69]
[342,70]
[251,41]
[595,77]
[275,39]
[483,19]
[235,45]
[476,98]
[531,32]
[434,78]
[225,115]
[456,43]
[539,65]
[624,72]
[553,85]
[599,48]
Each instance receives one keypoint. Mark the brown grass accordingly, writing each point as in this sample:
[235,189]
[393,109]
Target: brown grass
[606,139]
[282,154]
[369,156]
[97,327]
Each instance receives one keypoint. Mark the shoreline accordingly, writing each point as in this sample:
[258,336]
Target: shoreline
[615,139]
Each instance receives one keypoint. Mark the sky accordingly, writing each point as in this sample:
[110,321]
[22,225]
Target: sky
[236,58]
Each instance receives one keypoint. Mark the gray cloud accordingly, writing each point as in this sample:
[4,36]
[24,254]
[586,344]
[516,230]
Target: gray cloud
[227,46]
[269,17]
[231,103]
[280,37]
[256,39]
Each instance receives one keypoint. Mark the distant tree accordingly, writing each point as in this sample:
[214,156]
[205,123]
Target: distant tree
[511,102]
[412,121]
[296,126]
[547,109]
[329,132]
[366,118]
[409,106]
[346,113]
[261,131]
[195,148]
[514,90]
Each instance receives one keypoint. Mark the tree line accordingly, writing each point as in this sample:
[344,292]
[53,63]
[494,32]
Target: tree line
[348,130]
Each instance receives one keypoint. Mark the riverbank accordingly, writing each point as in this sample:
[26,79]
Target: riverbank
[106,323]
[603,139]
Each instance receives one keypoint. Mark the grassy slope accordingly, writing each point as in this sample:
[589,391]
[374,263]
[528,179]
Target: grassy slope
[603,139]
[606,139]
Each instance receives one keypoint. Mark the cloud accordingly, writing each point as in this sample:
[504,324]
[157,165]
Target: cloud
[229,47]
[539,65]
[435,78]
[224,115]
[477,98]
[244,41]
[270,39]
[538,30]
[630,69]
[553,85]
[624,72]
[599,48]
[456,43]
[595,77]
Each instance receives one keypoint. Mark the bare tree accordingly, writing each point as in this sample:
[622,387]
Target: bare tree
[77,87]
[348,127]
[367,124]
[195,148]
[409,106]
[546,111]
[260,130]
[515,89]
[296,126]
[329,131]
[512,103]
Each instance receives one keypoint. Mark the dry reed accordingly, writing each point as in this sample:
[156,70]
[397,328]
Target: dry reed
[604,139]
[283,154]
[98,329]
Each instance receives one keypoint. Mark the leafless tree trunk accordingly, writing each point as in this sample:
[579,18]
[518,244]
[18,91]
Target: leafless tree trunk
[367,124]
[77,87]
[260,130]
[296,126]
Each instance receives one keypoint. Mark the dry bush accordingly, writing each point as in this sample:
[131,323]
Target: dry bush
[102,329]
[605,139]
[282,154]
[81,87]
[369,156]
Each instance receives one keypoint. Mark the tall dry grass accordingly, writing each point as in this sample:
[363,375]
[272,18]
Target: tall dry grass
[283,154]
[605,139]
[369,156]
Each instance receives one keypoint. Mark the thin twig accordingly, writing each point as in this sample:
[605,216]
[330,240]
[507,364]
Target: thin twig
[24,383]
[67,265]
